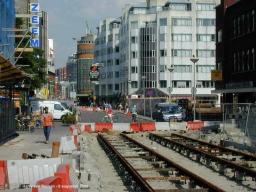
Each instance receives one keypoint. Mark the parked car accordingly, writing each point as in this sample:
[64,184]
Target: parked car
[167,112]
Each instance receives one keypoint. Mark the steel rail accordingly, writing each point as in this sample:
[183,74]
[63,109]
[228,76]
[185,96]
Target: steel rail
[245,155]
[197,179]
[236,167]
[143,184]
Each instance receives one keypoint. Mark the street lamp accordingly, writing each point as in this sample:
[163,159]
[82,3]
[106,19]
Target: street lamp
[193,90]
[143,78]
[170,88]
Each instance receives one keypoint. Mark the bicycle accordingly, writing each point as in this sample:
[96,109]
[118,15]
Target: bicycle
[134,118]
[106,119]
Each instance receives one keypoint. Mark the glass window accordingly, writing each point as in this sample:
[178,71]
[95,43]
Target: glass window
[57,107]
[181,22]
[163,84]
[162,37]
[134,84]
[117,74]
[116,87]
[163,22]
[163,53]
[134,39]
[162,68]
[134,25]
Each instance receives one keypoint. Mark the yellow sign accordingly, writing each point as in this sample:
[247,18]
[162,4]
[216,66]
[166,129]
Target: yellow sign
[216,75]
[94,97]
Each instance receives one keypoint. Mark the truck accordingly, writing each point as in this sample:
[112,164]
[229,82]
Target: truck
[55,107]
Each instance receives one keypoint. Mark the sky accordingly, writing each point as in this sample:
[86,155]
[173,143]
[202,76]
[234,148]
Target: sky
[67,20]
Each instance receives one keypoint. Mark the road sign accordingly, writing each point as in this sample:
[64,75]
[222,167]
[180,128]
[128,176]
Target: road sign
[193,90]
[129,96]
[150,93]
[169,89]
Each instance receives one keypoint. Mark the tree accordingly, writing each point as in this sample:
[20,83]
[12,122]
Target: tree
[37,65]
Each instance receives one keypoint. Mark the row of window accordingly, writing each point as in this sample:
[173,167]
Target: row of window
[178,22]
[244,23]
[244,60]
[175,53]
[84,51]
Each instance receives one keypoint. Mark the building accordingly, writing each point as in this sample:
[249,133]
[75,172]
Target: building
[151,48]
[71,67]
[84,62]
[235,50]
[7,20]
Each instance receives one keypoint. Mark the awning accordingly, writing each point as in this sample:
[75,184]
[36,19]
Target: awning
[83,95]
[242,90]
[9,74]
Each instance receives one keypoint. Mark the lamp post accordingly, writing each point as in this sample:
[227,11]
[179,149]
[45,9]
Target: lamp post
[170,88]
[143,78]
[193,90]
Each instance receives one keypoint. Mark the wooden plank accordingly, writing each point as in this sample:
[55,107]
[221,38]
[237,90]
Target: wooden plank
[166,178]
[25,50]
[155,169]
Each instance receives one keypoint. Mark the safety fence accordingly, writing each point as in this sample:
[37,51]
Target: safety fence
[7,119]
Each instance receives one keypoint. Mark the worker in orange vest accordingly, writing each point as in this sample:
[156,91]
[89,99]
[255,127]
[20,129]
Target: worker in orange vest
[47,123]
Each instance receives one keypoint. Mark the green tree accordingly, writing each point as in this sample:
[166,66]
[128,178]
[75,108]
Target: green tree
[37,66]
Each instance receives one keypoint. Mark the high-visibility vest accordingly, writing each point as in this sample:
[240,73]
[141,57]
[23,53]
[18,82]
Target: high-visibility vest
[47,121]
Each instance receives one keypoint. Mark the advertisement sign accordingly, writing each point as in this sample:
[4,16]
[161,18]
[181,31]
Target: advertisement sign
[94,74]
[216,75]
[34,20]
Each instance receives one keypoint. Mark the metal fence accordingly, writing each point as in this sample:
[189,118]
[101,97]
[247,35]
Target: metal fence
[240,122]
[7,119]
[209,112]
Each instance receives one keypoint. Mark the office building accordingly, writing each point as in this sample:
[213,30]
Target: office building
[235,50]
[151,48]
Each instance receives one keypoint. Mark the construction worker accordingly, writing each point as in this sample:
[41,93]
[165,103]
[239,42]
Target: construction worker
[47,123]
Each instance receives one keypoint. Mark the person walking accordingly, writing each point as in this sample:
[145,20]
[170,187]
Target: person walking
[126,108]
[47,123]
[110,111]
[78,114]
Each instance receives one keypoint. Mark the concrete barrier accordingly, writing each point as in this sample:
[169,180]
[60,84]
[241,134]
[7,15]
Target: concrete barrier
[67,144]
[178,126]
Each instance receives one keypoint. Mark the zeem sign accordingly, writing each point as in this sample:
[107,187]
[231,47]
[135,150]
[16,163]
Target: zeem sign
[34,20]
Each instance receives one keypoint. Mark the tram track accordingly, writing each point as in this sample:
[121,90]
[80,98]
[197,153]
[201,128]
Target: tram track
[241,164]
[147,170]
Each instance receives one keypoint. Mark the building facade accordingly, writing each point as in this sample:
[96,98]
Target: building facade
[7,20]
[71,67]
[84,62]
[235,48]
[156,41]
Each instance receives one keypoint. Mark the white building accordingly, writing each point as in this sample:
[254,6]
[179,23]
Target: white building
[153,37]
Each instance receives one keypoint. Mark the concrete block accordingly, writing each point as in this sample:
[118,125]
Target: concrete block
[162,126]
[121,127]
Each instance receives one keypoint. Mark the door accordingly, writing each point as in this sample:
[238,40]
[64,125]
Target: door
[58,111]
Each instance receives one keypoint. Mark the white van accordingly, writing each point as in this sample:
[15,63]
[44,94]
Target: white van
[55,107]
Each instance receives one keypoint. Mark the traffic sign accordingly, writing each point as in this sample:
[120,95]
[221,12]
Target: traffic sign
[193,90]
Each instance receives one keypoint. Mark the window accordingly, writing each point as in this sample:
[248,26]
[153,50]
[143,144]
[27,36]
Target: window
[117,74]
[116,36]
[163,84]
[162,68]
[110,38]
[179,7]
[162,37]
[134,39]
[219,38]
[163,53]
[205,22]
[205,53]
[117,49]
[182,68]
[134,84]
[205,37]
[181,37]
[116,87]
[134,70]
[134,55]
[181,84]
[163,22]
[117,61]
[134,25]
[181,22]
[205,6]
[181,53]
[57,107]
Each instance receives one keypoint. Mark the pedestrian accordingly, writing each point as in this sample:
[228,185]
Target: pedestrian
[126,108]
[47,123]
[78,114]
[110,111]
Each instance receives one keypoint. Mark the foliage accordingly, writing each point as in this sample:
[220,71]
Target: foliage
[37,66]
[69,118]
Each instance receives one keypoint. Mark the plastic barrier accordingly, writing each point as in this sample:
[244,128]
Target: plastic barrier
[63,173]
[147,126]
[100,126]
[135,127]
[87,128]
[196,125]
[3,178]
[162,126]
[48,184]
[67,144]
